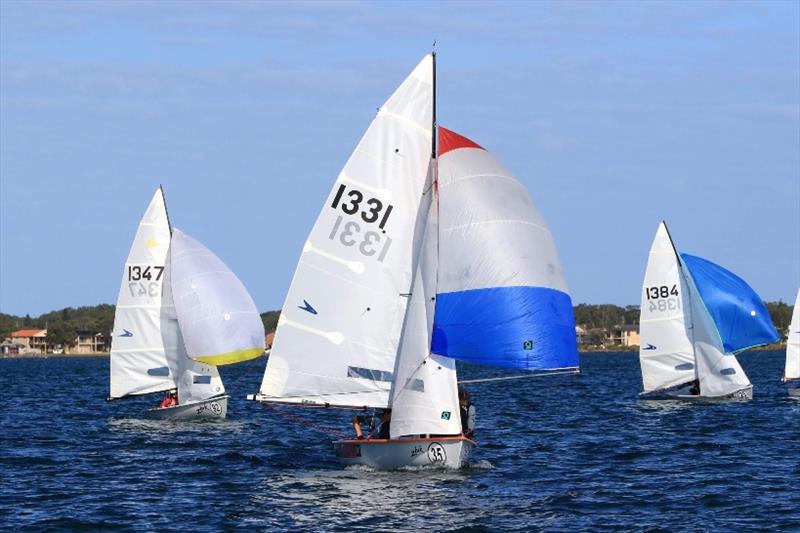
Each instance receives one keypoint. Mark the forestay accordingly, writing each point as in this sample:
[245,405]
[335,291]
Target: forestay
[740,315]
[144,339]
[218,319]
[339,330]
[792,370]
[666,353]
[502,297]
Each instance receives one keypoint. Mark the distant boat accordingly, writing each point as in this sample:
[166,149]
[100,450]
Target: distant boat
[414,262]
[791,373]
[180,311]
[695,316]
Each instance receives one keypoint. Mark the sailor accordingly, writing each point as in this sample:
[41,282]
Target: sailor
[467,411]
[383,429]
[379,432]
[170,399]
[695,390]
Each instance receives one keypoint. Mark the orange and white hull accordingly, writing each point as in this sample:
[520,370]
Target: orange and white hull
[391,454]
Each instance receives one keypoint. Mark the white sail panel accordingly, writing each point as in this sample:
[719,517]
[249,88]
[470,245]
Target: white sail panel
[144,339]
[792,370]
[218,319]
[666,353]
[339,329]
[424,398]
[719,373]
[195,381]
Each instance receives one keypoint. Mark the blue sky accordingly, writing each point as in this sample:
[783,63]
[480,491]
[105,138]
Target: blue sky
[614,115]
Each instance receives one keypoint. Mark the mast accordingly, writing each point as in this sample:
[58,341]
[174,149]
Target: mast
[166,211]
[674,249]
[433,123]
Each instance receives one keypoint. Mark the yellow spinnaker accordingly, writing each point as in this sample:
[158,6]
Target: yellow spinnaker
[230,357]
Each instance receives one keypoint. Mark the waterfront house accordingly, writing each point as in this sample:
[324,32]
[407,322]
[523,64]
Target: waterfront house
[32,340]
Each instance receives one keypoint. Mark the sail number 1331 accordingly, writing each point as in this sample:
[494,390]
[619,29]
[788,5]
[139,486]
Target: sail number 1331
[351,201]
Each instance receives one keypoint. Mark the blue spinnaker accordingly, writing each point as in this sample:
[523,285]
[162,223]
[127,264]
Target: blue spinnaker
[740,315]
[530,328]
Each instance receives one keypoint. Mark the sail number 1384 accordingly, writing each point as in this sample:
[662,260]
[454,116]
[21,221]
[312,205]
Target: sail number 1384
[656,293]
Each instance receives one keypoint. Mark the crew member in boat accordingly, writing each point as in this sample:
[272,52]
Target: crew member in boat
[695,388]
[170,399]
[467,412]
[379,432]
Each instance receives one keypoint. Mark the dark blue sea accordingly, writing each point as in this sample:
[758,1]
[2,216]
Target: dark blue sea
[561,453]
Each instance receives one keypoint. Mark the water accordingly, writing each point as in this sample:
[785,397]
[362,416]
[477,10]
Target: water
[556,453]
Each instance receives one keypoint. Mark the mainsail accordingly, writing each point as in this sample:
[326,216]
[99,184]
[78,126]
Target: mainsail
[144,342]
[340,325]
[218,319]
[502,298]
[792,370]
[667,351]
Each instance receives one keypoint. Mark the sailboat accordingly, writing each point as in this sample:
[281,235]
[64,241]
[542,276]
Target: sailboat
[425,252]
[695,316]
[791,373]
[180,312]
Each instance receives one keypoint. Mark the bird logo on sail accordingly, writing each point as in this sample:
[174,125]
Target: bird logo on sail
[126,333]
[307,307]
[649,347]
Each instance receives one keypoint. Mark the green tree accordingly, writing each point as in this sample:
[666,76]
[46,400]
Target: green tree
[60,333]
[270,320]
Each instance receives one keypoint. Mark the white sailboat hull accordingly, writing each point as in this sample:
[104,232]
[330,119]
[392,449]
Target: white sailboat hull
[391,454]
[212,408]
[682,393]
[794,391]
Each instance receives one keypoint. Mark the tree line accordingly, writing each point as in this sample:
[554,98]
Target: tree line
[63,325]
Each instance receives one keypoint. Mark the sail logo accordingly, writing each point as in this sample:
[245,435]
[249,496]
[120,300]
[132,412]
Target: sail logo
[307,307]
[649,347]
[445,415]
[527,345]
[126,333]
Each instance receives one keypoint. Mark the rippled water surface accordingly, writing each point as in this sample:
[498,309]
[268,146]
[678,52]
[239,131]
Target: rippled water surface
[556,453]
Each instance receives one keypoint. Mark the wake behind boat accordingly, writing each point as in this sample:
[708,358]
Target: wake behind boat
[180,312]
[414,262]
[695,316]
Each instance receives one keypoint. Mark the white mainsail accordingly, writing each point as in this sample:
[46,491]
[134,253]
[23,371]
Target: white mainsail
[339,330]
[144,341]
[792,370]
[218,319]
[667,351]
